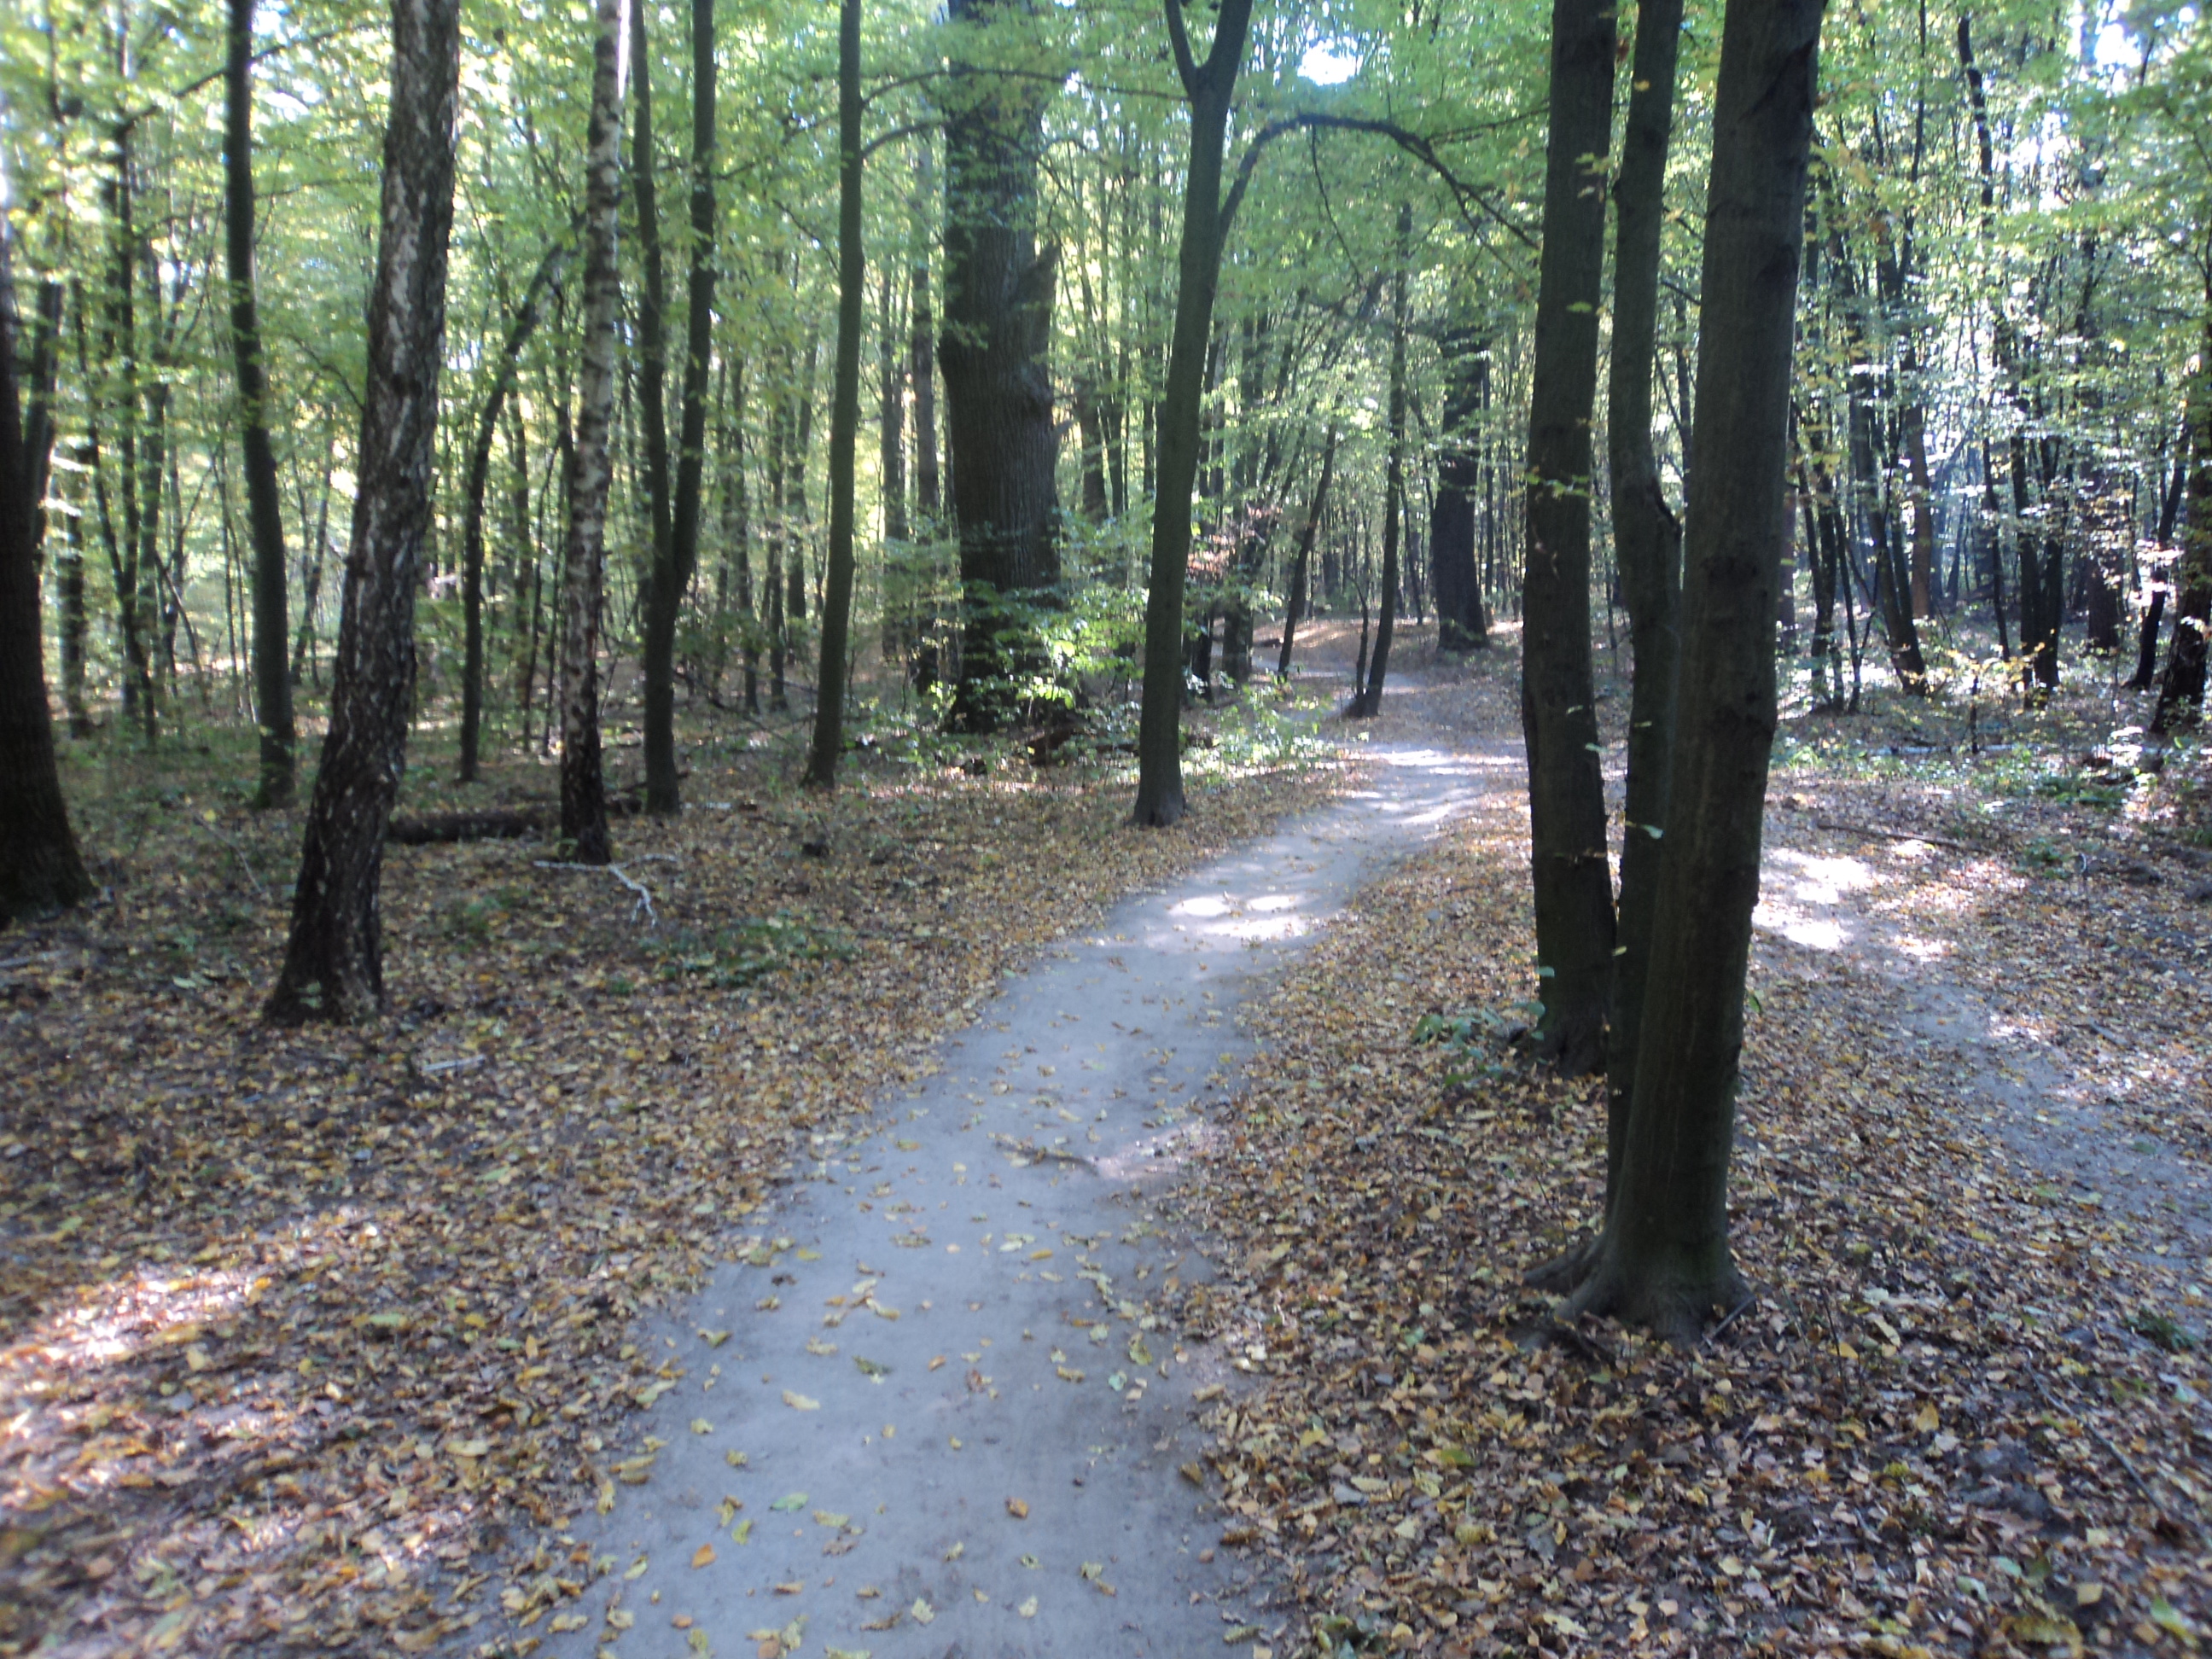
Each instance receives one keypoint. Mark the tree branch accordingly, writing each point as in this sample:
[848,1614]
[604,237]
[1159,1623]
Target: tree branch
[1186,65]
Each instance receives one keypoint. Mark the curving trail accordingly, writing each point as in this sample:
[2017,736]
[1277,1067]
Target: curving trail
[959,1406]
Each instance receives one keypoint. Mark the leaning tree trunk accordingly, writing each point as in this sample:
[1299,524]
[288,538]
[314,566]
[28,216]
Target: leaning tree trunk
[1647,540]
[1665,1260]
[333,960]
[998,387]
[1573,882]
[676,559]
[509,363]
[583,783]
[272,679]
[1301,563]
[844,409]
[1198,273]
[40,868]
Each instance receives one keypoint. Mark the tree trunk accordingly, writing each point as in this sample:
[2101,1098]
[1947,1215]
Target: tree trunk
[998,388]
[2169,514]
[1461,624]
[1369,702]
[844,409]
[272,680]
[2181,692]
[40,868]
[1301,563]
[1198,267]
[504,371]
[583,784]
[1573,882]
[894,636]
[675,562]
[1664,1260]
[333,960]
[928,499]
[1647,539]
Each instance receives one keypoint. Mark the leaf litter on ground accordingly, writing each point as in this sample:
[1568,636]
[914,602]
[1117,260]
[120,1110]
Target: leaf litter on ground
[305,1335]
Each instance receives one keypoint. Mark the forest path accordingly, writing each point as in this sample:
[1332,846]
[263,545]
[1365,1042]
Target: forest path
[935,1411]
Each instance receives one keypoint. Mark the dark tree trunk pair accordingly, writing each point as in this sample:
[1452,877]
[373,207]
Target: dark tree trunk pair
[1571,879]
[998,387]
[2181,692]
[1663,1258]
[333,960]
[1206,219]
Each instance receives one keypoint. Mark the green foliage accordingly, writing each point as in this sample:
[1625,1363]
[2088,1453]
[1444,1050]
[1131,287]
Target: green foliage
[744,953]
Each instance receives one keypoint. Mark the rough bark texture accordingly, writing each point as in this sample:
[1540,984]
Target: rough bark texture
[1198,266]
[1664,1260]
[504,372]
[583,783]
[997,385]
[1573,882]
[844,409]
[1647,540]
[40,868]
[272,681]
[333,960]
[676,562]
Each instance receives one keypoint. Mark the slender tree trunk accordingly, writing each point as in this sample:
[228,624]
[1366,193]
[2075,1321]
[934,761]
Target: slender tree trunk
[1571,878]
[505,368]
[1198,267]
[1369,702]
[928,500]
[333,961]
[583,783]
[1665,1259]
[844,409]
[40,870]
[2181,692]
[998,387]
[675,561]
[1647,539]
[1301,563]
[272,680]
[895,630]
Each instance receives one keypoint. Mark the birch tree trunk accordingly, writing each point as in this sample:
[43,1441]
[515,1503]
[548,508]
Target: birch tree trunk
[333,960]
[583,783]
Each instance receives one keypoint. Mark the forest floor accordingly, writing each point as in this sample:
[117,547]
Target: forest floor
[321,1340]
[300,1330]
[1967,1410]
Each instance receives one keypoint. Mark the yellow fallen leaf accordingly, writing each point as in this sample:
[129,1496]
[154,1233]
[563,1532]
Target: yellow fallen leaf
[1926,1420]
[922,1612]
[1028,1609]
[1017,1509]
[700,1425]
[799,1402]
[703,1555]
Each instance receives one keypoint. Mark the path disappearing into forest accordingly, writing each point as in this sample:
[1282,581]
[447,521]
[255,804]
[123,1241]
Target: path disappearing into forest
[936,1412]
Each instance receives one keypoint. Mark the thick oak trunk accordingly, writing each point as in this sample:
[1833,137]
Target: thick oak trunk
[333,960]
[998,385]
